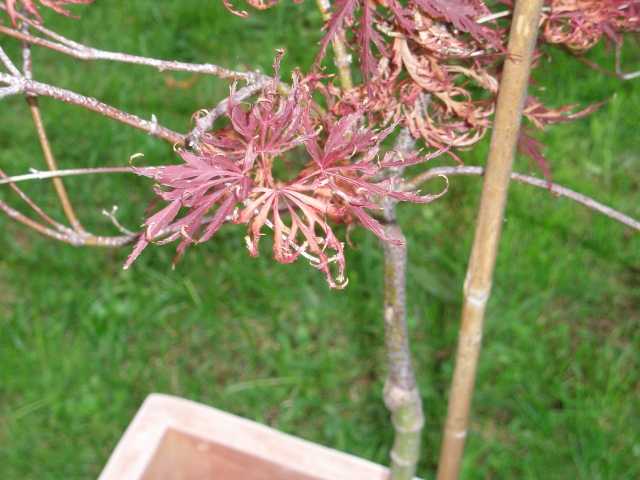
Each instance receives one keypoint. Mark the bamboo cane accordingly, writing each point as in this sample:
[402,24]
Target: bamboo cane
[477,288]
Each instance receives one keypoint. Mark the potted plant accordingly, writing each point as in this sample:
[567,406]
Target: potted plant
[296,159]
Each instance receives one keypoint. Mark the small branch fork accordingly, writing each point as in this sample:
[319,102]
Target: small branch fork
[55,230]
[16,83]
[23,83]
[77,50]
[46,146]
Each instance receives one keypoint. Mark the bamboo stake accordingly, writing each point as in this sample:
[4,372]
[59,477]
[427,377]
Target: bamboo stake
[401,395]
[511,98]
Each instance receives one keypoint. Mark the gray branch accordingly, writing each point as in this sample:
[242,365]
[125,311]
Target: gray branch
[554,188]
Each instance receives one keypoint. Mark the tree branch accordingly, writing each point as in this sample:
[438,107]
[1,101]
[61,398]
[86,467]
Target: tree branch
[401,394]
[32,101]
[206,121]
[83,52]
[8,91]
[67,235]
[554,188]
[32,87]
[8,63]
[38,175]
[33,205]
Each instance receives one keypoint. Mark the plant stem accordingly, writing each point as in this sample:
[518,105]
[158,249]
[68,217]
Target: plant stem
[83,52]
[553,188]
[33,205]
[67,235]
[67,207]
[8,64]
[71,172]
[401,395]
[32,87]
[205,122]
[511,99]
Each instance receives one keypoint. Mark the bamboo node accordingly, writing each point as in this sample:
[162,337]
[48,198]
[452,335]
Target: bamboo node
[388,312]
[460,434]
[472,340]
[477,299]
[456,432]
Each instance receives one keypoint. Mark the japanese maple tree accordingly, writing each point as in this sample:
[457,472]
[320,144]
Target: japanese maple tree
[307,158]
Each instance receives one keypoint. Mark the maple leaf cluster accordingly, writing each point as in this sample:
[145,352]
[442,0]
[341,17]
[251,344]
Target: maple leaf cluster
[30,7]
[430,66]
[580,24]
[281,166]
[434,65]
[288,165]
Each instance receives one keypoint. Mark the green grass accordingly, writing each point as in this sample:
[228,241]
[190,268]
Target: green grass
[82,342]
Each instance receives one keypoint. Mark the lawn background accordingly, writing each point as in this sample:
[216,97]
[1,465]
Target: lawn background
[82,342]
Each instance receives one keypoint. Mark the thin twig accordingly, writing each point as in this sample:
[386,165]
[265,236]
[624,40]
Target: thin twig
[493,16]
[59,231]
[68,236]
[45,145]
[33,87]
[8,63]
[82,52]
[8,91]
[554,188]
[502,14]
[205,122]
[30,223]
[33,205]
[38,175]
[27,64]
[61,192]
[619,72]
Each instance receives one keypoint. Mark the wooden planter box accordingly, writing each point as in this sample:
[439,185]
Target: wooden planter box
[172,438]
